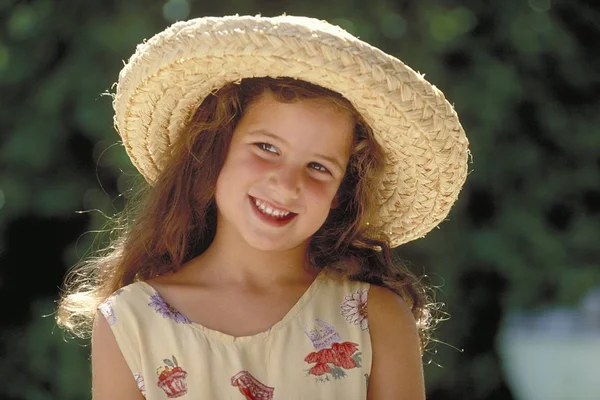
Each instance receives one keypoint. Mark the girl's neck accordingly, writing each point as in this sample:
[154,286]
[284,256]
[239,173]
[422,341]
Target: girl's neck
[233,260]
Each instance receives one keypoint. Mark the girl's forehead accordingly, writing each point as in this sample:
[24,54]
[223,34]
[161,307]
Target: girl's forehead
[269,98]
[317,111]
[316,120]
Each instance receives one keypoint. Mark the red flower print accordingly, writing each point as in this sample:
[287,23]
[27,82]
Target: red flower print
[312,358]
[344,362]
[345,349]
[319,369]
[333,356]
[327,356]
[344,352]
[339,356]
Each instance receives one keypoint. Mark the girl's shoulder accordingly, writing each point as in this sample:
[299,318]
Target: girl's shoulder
[129,300]
[351,295]
[131,291]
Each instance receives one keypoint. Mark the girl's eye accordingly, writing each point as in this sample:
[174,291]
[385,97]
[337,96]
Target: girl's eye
[267,147]
[318,167]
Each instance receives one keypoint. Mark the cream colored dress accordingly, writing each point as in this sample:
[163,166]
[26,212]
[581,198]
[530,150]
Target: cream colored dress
[321,349]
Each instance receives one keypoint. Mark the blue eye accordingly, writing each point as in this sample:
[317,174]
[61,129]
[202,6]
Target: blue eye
[318,167]
[267,147]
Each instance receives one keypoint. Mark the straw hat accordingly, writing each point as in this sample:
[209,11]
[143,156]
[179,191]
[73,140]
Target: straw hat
[171,73]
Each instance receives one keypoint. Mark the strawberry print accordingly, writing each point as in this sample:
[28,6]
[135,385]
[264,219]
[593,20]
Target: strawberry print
[171,378]
[250,387]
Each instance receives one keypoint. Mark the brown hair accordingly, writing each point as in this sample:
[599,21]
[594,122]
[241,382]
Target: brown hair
[175,219]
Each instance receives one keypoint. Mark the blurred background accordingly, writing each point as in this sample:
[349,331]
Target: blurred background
[517,263]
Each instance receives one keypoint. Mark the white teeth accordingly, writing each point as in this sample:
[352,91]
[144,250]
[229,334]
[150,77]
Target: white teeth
[269,211]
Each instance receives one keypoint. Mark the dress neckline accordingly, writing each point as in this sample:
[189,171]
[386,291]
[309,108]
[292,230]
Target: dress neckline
[290,315]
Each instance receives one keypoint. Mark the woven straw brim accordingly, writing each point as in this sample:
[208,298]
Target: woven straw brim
[170,74]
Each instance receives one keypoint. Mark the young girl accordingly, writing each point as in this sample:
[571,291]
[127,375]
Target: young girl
[285,158]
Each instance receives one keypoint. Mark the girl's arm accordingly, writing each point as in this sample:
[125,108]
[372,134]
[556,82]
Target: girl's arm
[397,369]
[111,376]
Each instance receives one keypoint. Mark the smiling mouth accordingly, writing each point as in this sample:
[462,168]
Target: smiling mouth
[271,212]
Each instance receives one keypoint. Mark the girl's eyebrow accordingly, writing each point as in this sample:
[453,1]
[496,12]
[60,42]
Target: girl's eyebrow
[267,133]
[282,140]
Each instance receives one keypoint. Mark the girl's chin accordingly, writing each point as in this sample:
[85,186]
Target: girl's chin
[268,243]
[273,242]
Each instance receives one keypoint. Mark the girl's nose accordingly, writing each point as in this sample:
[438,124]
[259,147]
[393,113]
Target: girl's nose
[288,181]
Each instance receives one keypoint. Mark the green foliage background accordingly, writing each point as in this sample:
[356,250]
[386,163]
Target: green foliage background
[524,77]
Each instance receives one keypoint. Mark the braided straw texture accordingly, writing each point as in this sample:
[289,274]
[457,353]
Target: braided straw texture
[171,73]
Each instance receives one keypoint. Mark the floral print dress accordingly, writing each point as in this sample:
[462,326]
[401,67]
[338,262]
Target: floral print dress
[321,349]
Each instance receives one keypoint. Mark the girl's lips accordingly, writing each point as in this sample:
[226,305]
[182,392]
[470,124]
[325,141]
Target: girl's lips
[274,206]
[273,221]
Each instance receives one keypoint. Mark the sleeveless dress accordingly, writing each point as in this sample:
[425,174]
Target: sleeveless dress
[321,349]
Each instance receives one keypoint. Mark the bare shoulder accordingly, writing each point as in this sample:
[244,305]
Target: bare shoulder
[386,304]
[397,369]
[111,376]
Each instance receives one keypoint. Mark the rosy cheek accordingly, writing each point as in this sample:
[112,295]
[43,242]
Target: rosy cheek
[245,161]
[319,190]
[258,165]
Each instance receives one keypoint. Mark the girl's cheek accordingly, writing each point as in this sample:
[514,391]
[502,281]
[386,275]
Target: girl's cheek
[258,165]
[320,190]
[246,159]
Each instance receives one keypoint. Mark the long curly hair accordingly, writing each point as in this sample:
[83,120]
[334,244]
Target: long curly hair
[174,220]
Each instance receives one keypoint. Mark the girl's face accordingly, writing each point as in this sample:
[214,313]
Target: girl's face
[285,164]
